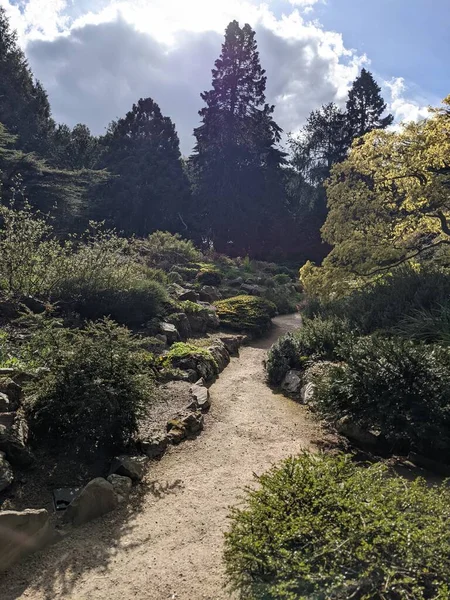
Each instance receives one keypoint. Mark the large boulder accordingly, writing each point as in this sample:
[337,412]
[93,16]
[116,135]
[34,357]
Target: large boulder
[16,452]
[154,446]
[232,343]
[170,332]
[206,369]
[129,466]
[181,322]
[6,473]
[97,498]
[356,433]
[220,355]
[22,533]
[12,390]
[122,486]
[292,382]
[210,294]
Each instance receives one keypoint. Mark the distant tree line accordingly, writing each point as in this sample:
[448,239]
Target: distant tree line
[238,192]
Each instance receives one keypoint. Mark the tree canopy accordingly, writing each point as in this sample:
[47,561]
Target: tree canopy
[236,164]
[389,203]
[149,190]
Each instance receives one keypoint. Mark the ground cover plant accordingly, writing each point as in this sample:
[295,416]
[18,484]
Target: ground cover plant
[323,527]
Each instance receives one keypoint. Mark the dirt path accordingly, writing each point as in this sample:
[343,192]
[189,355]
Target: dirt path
[169,544]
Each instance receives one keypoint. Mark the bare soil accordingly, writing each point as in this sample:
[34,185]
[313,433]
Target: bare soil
[167,543]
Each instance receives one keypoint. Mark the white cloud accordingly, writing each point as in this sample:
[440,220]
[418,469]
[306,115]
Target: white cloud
[97,57]
[403,108]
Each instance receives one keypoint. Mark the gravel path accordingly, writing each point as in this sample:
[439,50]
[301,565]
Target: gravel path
[168,543]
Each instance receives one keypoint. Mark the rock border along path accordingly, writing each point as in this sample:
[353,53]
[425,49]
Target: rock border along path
[170,547]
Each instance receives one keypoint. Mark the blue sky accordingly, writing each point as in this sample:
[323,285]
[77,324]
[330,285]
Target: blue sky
[407,38]
[97,57]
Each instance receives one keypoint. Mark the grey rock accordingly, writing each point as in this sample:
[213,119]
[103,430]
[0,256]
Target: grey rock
[129,466]
[201,397]
[5,405]
[357,433]
[22,533]
[232,344]
[252,290]
[184,426]
[154,446]
[307,393]
[220,355]
[210,294]
[13,390]
[292,382]
[188,295]
[181,322]
[6,473]
[236,282]
[16,452]
[170,331]
[122,486]
[94,500]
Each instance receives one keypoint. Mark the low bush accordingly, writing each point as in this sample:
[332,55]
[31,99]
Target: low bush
[282,278]
[318,339]
[324,528]
[394,386]
[386,303]
[209,276]
[163,250]
[284,299]
[133,305]
[246,313]
[431,325]
[95,391]
[181,350]
[186,273]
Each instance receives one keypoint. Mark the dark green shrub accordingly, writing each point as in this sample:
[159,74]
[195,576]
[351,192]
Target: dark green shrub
[431,325]
[282,278]
[245,313]
[284,299]
[383,305]
[133,304]
[163,250]
[318,339]
[95,391]
[324,528]
[209,276]
[394,386]
[283,356]
[186,273]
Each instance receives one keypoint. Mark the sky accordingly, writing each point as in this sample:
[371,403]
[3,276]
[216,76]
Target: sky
[97,57]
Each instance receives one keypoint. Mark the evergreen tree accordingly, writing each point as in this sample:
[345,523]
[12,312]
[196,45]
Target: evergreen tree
[236,164]
[75,148]
[150,190]
[365,107]
[27,177]
[321,144]
[24,106]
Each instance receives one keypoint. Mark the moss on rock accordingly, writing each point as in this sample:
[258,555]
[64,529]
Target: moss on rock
[246,313]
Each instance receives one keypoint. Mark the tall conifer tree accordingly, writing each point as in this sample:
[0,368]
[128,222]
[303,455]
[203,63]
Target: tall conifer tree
[150,190]
[236,161]
[366,106]
[24,106]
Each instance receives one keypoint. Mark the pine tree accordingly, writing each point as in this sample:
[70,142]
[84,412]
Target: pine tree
[150,190]
[236,162]
[365,107]
[320,145]
[24,106]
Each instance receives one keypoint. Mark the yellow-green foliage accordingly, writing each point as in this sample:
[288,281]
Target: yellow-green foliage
[181,350]
[388,203]
[245,313]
